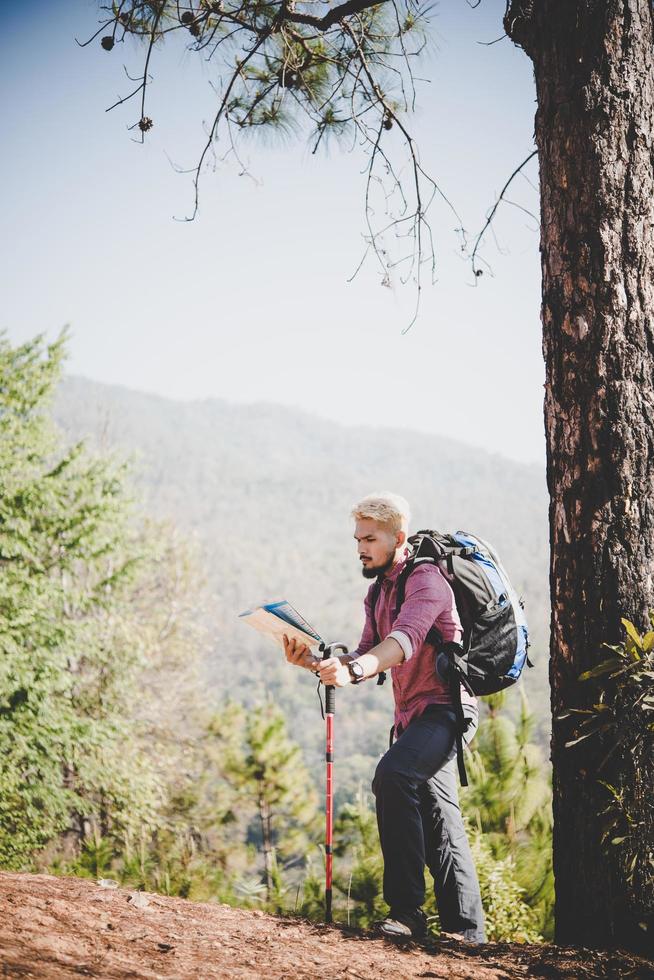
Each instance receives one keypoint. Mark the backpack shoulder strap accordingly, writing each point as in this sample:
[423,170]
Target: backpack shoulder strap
[401,586]
[374,596]
[433,636]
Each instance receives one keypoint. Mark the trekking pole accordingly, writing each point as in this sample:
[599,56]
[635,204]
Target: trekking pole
[330,707]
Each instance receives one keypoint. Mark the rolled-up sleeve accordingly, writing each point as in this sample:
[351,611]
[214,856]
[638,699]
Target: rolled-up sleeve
[404,642]
[429,601]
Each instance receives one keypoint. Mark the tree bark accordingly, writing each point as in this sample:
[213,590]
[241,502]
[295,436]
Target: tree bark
[593,64]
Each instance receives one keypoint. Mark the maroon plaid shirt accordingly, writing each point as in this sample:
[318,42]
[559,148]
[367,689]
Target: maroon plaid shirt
[429,601]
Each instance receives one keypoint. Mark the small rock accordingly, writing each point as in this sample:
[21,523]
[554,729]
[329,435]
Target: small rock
[164,947]
[138,900]
[107,883]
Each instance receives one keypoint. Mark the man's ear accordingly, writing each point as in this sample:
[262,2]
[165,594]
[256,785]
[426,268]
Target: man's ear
[400,539]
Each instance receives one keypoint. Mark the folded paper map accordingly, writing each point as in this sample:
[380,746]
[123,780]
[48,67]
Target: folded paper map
[279,619]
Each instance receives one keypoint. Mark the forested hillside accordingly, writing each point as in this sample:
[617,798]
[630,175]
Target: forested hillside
[151,739]
[266,493]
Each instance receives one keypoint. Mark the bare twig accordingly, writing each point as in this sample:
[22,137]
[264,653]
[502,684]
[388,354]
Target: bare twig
[337,69]
[473,257]
[487,44]
[237,73]
[153,36]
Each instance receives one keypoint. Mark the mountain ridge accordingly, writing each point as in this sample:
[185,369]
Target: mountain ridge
[314,417]
[266,494]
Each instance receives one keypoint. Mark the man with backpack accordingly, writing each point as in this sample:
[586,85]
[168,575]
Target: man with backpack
[409,619]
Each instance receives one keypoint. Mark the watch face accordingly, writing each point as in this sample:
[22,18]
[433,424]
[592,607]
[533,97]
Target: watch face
[356,670]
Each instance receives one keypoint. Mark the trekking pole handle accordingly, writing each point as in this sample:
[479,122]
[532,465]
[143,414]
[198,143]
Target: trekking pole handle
[328,651]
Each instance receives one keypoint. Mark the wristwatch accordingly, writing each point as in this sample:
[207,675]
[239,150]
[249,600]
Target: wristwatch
[356,671]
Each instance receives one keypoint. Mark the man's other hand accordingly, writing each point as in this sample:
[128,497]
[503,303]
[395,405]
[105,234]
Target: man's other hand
[299,654]
[333,673]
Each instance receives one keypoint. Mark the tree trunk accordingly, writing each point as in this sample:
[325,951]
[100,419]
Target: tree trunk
[595,135]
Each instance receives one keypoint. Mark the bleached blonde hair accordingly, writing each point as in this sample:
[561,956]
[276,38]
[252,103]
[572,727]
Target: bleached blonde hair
[386,508]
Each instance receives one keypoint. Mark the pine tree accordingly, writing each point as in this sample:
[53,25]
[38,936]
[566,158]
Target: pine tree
[274,786]
[68,662]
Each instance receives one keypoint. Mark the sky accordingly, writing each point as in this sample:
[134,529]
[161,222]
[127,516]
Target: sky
[254,300]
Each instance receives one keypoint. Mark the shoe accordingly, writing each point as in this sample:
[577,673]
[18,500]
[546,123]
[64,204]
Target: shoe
[461,937]
[404,924]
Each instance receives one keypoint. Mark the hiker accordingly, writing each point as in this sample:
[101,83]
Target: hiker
[415,784]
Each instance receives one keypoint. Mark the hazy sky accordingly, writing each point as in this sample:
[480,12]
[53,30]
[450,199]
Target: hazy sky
[252,301]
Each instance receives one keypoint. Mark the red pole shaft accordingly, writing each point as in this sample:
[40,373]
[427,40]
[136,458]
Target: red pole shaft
[329,815]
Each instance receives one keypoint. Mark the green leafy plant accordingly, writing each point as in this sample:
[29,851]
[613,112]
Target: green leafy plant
[508,916]
[621,718]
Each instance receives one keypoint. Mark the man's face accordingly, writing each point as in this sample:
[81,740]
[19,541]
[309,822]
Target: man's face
[376,546]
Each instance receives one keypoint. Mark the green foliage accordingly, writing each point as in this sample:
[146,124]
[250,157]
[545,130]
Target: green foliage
[509,799]
[95,858]
[272,785]
[627,687]
[313,892]
[93,621]
[236,826]
[508,917]
[508,776]
[113,759]
[68,559]
[360,875]
[621,718]
[287,71]
[217,469]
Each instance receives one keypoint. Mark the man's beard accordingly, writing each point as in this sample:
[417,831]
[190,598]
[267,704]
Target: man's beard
[372,571]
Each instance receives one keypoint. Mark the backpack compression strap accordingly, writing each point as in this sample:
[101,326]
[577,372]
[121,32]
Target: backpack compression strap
[458,678]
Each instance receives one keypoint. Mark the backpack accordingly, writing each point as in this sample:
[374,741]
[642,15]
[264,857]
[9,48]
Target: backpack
[493,650]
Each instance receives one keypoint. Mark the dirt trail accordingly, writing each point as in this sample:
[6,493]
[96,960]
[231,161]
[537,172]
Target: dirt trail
[69,927]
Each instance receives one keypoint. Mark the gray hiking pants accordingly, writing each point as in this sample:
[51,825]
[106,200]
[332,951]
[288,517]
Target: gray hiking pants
[420,823]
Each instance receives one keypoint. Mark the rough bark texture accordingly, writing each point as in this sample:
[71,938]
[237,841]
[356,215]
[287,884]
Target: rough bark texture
[595,134]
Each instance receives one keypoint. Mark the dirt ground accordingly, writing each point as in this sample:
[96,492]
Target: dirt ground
[69,927]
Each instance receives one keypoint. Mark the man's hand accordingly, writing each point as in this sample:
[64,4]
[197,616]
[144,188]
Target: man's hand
[299,654]
[333,673]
